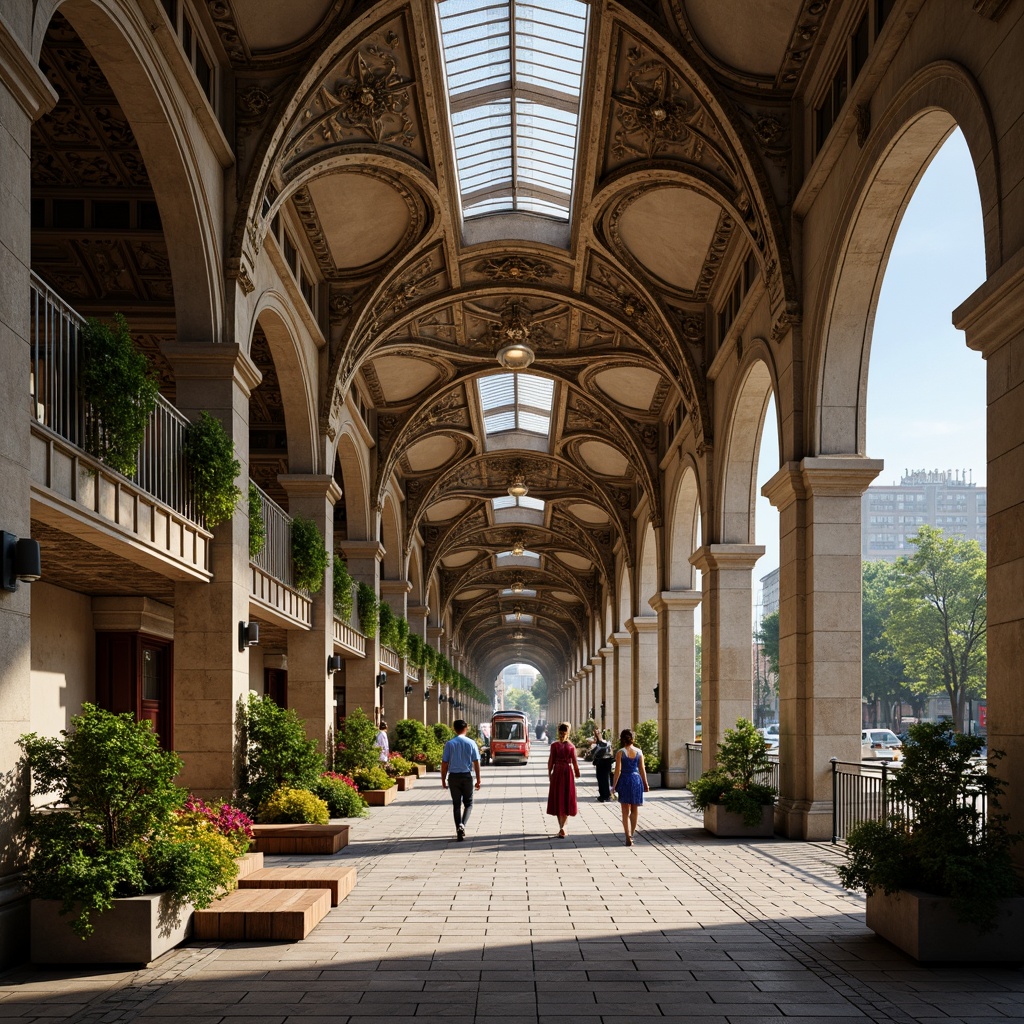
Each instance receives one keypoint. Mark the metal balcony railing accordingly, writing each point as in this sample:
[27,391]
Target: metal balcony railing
[58,404]
[275,559]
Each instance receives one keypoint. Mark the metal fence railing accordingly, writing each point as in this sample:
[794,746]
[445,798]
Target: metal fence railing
[275,559]
[861,792]
[58,404]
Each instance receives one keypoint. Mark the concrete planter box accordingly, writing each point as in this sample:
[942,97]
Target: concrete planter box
[720,822]
[925,928]
[404,782]
[380,797]
[136,930]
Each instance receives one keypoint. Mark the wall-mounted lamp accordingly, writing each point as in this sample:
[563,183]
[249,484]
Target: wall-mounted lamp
[21,561]
[382,678]
[441,698]
[657,695]
[408,689]
[426,692]
[333,663]
[602,711]
[451,700]
[248,635]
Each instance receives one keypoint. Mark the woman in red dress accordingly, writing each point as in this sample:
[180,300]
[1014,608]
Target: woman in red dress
[563,771]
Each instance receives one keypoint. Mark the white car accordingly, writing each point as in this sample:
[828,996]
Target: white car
[880,744]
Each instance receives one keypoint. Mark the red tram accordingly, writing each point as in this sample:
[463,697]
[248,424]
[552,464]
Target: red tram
[510,737]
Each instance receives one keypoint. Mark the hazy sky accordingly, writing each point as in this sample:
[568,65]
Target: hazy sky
[926,388]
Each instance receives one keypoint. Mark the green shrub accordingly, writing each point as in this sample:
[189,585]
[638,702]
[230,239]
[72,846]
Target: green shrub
[935,836]
[442,733]
[435,752]
[191,859]
[368,608]
[372,778]
[410,737]
[277,751]
[210,453]
[647,740]
[289,806]
[115,838]
[257,527]
[416,650]
[121,389]
[356,748]
[741,757]
[343,597]
[342,797]
[388,626]
[398,765]
[309,556]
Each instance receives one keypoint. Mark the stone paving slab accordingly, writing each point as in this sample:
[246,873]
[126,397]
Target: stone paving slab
[514,926]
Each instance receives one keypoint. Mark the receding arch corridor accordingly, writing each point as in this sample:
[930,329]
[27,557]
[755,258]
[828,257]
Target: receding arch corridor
[515,927]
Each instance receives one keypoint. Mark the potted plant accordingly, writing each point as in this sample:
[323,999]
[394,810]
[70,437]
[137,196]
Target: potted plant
[117,855]
[646,739]
[937,871]
[358,755]
[733,801]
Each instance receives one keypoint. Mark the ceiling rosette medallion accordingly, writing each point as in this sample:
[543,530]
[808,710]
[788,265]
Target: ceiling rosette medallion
[367,96]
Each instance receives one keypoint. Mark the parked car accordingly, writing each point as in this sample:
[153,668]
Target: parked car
[880,744]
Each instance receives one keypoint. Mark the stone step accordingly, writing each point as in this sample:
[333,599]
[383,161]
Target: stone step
[276,914]
[339,880]
[304,839]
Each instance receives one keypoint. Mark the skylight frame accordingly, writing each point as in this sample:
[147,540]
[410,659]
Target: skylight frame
[530,57]
[516,400]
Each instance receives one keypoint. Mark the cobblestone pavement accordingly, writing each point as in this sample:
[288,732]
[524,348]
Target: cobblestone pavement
[514,926]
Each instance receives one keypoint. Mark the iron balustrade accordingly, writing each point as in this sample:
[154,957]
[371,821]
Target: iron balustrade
[58,404]
[861,792]
[275,557]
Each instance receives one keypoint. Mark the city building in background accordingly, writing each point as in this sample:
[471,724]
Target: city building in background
[946,499]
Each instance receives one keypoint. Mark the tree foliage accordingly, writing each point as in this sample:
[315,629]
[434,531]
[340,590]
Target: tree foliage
[936,617]
[211,461]
[884,677]
[523,700]
[768,637]
[540,689]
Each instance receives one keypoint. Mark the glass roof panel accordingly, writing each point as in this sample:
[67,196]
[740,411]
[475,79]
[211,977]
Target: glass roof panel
[514,71]
[507,501]
[516,401]
[508,592]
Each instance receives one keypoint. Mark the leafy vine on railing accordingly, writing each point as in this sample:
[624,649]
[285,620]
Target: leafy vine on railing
[309,555]
[343,597]
[257,524]
[368,610]
[211,459]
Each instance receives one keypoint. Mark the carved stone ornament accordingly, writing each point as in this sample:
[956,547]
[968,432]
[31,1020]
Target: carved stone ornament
[245,281]
[227,29]
[657,113]
[365,98]
[862,117]
[519,269]
[789,318]
[799,48]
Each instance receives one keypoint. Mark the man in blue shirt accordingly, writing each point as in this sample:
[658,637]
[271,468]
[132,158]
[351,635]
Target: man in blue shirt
[460,758]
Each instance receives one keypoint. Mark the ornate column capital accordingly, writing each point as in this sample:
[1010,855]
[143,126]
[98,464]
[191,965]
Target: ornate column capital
[643,623]
[620,639]
[310,485]
[673,600]
[726,556]
[991,316]
[362,549]
[833,476]
[200,360]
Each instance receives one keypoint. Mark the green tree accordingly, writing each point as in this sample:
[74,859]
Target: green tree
[768,637]
[523,700]
[698,696]
[884,677]
[540,689]
[937,617]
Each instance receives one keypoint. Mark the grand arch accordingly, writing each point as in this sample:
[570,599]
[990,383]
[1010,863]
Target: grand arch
[510,424]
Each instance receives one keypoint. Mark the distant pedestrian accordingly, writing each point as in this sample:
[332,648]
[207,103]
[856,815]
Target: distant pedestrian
[538,730]
[459,759]
[381,742]
[630,781]
[604,760]
[563,771]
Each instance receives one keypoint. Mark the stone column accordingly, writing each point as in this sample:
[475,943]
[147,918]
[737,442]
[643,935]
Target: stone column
[622,700]
[363,558]
[588,683]
[645,667]
[993,318]
[819,503]
[676,681]
[396,704]
[417,616]
[25,95]
[597,692]
[310,688]
[726,626]
[433,708]
[607,687]
[210,672]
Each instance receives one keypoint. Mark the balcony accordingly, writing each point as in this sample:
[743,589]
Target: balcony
[149,518]
[272,593]
[389,660]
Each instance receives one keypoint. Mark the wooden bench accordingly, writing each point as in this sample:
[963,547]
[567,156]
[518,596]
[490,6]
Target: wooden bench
[307,839]
[405,782]
[276,914]
[248,863]
[339,880]
[379,797]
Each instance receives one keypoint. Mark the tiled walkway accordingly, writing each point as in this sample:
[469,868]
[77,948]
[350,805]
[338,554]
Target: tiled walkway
[516,927]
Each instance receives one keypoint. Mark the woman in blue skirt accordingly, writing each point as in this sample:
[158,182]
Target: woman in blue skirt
[630,782]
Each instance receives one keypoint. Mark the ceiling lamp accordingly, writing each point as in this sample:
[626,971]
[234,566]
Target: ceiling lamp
[518,547]
[517,586]
[518,635]
[517,610]
[514,338]
[517,484]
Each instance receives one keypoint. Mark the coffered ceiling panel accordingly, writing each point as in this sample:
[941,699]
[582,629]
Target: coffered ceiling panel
[363,218]
[669,231]
[431,453]
[402,379]
[603,458]
[756,45]
[588,513]
[632,386]
[442,511]
[268,25]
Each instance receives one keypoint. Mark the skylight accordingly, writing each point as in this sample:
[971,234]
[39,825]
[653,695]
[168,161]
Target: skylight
[516,401]
[530,555]
[525,620]
[507,501]
[508,592]
[515,74]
